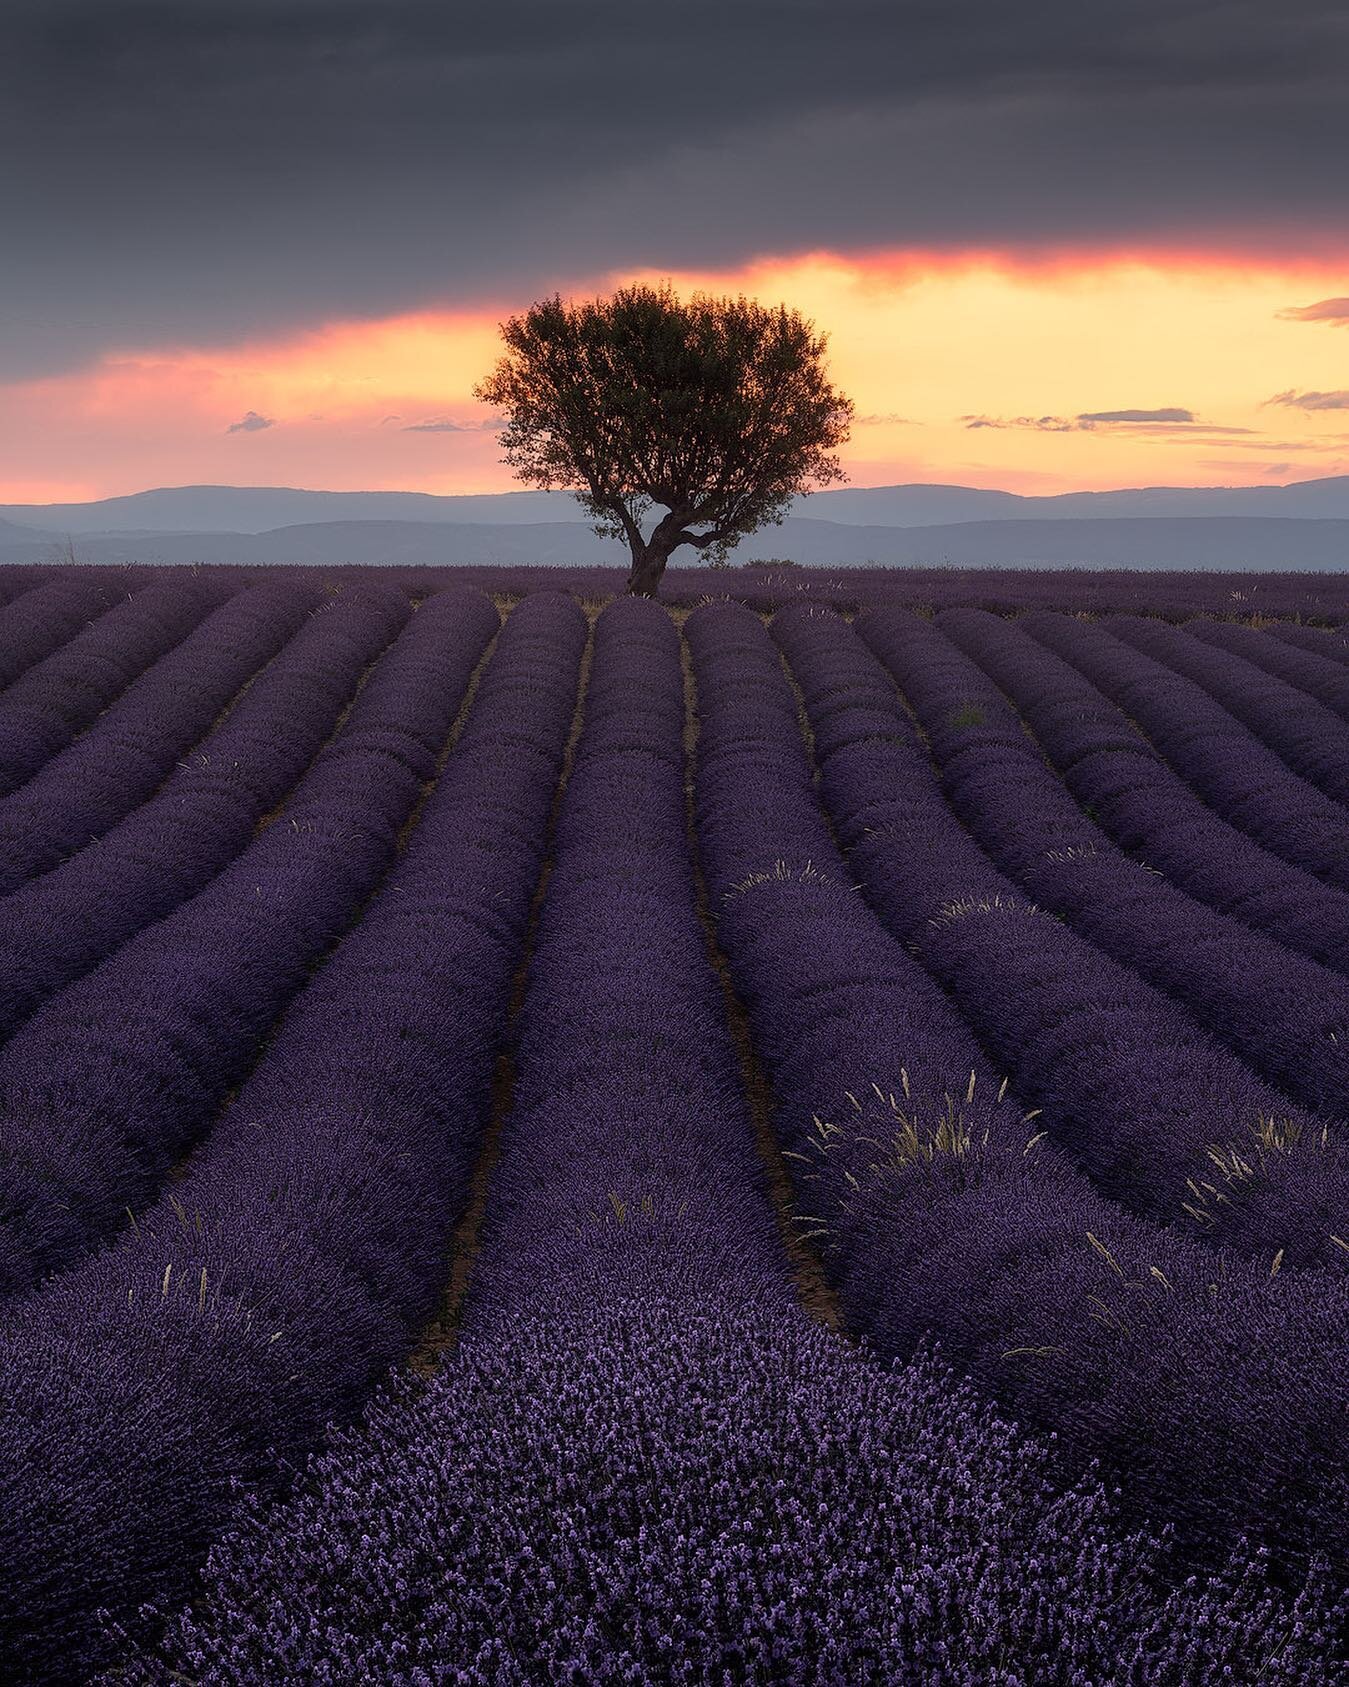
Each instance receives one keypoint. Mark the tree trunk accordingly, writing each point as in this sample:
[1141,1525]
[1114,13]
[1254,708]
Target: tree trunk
[648,564]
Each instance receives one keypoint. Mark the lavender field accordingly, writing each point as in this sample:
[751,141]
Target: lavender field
[794,1133]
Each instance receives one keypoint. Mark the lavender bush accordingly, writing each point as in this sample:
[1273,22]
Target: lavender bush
[947,1211]
[1311,667]
[654,1491]
[1320,598]
[1329,643]
[1164,1119]
[1282,1013]
[1309,737]
[381,986]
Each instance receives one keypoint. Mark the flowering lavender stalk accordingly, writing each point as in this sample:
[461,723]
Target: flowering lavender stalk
[688,1493]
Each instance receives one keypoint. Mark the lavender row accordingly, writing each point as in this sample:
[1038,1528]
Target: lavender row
[268,1288]
[1122,783]
[64,922]
[35,623]
[16,578]
[655,1493]
[1330,643]
[133,746]
[642,1461]
[1227,765]
[1161,1117]
[114,1078]
[775,873]
[1306,735]
[1283,1013]
[1158,1113]
[57,698]
[1311,670]
[944,1210]
[1321,598]
[614,1179]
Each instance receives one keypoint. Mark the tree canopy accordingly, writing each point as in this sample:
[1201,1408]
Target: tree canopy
[718,410]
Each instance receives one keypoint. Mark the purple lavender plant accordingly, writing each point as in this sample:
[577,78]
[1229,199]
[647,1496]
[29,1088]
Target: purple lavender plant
[642,1461]
[36,621]
[944,1209]
[1237,775]
[271,1284]
[65,921]
[1121,781]
[110,1082]
[58,697]
[135,744]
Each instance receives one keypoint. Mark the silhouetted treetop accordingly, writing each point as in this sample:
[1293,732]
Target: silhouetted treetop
[718,410]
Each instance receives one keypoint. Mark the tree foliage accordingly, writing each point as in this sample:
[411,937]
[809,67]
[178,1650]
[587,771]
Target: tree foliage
[717,410]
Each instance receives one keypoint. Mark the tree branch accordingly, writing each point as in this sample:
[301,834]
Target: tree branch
[700,541]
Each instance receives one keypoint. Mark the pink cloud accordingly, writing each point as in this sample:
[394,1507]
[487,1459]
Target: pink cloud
[1333,311]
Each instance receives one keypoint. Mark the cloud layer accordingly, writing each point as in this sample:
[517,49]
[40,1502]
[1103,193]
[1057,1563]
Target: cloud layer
[238,167]
[965,372]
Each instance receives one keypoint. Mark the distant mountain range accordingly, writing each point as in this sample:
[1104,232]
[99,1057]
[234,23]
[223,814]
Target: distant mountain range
[1304,525]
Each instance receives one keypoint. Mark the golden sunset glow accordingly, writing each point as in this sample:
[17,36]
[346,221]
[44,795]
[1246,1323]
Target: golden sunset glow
[973,368]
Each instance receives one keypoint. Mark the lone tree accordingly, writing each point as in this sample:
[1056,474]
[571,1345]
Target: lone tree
[717,410]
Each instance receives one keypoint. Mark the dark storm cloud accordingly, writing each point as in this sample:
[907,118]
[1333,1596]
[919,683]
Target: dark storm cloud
[215,169]
[252,423]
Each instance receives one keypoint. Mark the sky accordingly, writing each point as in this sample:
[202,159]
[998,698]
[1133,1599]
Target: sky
[1053,245]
